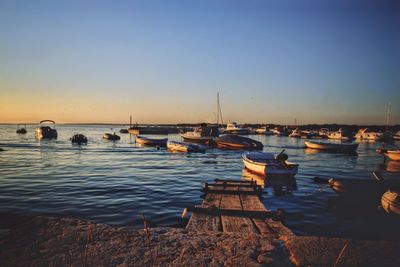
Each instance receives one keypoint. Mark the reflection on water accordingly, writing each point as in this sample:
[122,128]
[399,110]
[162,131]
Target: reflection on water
[113,182]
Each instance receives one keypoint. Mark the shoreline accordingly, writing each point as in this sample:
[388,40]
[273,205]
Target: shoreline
[39,240]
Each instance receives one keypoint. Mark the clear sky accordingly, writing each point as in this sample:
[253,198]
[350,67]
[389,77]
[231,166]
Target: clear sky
[164,61]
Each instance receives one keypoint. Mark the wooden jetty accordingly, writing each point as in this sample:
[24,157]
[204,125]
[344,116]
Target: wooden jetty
[235,206]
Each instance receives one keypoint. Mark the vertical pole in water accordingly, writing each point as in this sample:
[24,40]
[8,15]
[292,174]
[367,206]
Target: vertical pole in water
[130,121]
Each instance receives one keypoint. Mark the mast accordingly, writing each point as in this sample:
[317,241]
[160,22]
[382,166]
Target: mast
[130,121]
[388,116]
[219,112]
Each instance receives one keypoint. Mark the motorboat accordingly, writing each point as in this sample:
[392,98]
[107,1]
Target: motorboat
[269,164]
[233,128]
[366,134]
[203,134]
[145,141]
[124,131]
[391,154]
[112,137]
[340,135]
[391,202]
[280,131]
[296,133]
[21,130]
[78,139]
[264,130]
[338,147]
[45,131]
[176,146]
[396,136]
[232,141]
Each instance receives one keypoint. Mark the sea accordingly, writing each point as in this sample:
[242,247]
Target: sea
[117,182]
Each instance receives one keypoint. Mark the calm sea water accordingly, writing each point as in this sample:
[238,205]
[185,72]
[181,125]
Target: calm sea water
[114,182]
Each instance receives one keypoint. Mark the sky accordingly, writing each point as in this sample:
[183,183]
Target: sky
[164,61]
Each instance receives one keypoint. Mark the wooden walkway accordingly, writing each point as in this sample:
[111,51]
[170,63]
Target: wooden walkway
[235,206]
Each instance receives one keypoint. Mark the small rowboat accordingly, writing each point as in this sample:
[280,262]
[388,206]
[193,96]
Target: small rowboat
[230,141]
[391,202]
[268,164]
[145,141]
[184,147]
[112,137]
[338,147]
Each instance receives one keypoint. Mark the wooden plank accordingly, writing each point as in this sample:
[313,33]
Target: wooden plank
[232,182]
[232,192]
[231,212]
[232,223]
[201,222]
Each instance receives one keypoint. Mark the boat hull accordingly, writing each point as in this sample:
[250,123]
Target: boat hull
[184,147]
[331,146]
[43,133]
[393,155]
[112,137]
[269,169]
[151,141]
[391,202]
[195,139]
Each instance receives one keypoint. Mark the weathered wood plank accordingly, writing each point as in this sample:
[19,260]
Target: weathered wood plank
[201,222]
[231,223]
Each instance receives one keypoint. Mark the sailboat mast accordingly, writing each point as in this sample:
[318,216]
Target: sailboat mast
[130,121]
[388,116]
[219,112]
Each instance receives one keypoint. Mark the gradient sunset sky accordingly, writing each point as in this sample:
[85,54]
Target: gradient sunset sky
[164,61]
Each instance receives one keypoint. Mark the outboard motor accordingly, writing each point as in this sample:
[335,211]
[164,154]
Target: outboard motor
[282,157]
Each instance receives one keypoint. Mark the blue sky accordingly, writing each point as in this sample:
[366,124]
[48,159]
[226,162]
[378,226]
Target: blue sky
[164,61]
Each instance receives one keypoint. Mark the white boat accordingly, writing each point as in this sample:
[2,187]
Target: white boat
[339,147]
[366,134]
[339,135]
[264,130]
[112,137]
[202,134]
[45,131]
[233,128]
[267,164]
[184,147]
[396,136]
[295,133]
[145,141]
[391,202]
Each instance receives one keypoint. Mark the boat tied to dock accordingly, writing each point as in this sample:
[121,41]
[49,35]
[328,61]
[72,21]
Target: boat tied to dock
[269,164]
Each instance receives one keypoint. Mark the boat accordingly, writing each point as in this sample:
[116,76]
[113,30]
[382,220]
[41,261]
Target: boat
[112,137]
[45,131]
[124,131]
[391,154]
[21,130]
[267,164]
[396,136]
[296,133]
[78,139]
[145,141]
[203,134]
[233,128]
[280,131]
[184,147]
[391,202]
[366,134]
[264,130]
[232,141]
[338,147]
[340,135]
